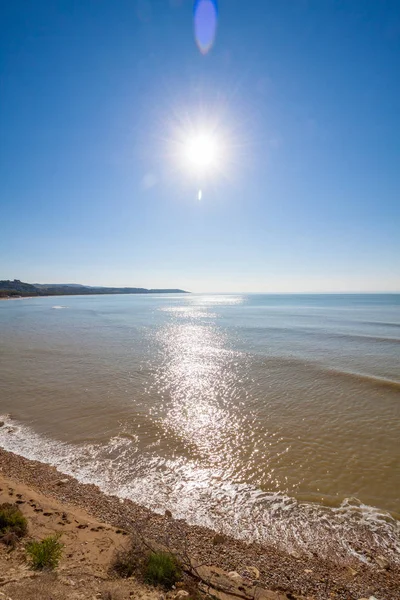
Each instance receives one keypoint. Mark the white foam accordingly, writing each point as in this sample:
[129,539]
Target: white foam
[199,496]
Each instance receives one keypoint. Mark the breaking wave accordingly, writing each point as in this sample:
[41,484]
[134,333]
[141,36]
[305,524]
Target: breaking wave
[204,497]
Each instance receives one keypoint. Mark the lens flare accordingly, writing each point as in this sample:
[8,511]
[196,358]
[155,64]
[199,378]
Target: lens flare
[205,24]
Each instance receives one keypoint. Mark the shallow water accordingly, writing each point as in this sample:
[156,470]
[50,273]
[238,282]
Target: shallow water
[270,417]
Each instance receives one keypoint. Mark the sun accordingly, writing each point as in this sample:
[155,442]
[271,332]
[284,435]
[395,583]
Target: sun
[202,152]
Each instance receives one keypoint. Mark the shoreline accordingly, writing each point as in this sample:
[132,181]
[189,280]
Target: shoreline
[309,576]
[17,297]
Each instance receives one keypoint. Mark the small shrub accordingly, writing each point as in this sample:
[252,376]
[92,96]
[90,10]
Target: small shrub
[45,554]
[130,561]
[155,568]
[13,524]
[162,569]
[125,564]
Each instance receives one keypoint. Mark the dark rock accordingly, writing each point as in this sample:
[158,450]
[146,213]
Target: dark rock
[218,539]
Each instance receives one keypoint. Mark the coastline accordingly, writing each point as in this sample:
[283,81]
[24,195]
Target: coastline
[17,297]
[304,575]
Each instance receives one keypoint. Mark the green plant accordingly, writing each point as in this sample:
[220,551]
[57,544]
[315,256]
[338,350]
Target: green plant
[45,554]
[162,569]
[13,524]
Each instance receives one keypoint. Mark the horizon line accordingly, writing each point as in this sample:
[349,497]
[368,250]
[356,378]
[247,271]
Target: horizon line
[275,292]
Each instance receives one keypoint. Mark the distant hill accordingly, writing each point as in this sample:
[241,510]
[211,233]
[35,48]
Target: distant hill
[10,289]
[46,285]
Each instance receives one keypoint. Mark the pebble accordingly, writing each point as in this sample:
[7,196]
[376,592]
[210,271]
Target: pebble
[252,573]
[207,547]
[382,562]
[218,539]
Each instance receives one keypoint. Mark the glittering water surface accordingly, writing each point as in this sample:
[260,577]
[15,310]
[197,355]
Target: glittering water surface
[269,417]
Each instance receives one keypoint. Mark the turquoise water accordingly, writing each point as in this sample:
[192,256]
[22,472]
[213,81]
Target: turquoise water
[266,416]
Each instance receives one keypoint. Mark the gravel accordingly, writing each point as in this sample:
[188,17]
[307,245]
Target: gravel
[309,576]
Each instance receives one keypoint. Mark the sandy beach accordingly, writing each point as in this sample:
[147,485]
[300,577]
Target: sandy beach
[98,525]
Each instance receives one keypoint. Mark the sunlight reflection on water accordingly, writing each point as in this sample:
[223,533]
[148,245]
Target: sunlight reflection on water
[201,381]
[228,410]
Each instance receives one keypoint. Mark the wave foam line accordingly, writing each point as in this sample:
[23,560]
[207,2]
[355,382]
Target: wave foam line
[198,496]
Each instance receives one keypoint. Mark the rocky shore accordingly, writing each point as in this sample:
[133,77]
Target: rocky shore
[285,575]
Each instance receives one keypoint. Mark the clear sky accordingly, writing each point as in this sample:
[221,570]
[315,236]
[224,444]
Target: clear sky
[101,99]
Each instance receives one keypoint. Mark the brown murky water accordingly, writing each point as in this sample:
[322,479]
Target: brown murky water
[270,417]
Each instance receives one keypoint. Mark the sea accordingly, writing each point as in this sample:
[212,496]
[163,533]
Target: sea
[271,418]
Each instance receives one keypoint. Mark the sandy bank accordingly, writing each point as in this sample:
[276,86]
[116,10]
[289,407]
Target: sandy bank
[89,548]
[52,492]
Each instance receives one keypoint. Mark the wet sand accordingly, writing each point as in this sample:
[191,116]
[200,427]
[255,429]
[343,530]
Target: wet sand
[304,575]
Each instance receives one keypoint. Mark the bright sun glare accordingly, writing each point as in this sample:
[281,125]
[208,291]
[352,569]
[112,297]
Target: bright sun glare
[202,151]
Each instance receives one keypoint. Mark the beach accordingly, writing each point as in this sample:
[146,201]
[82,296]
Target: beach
[272,421]
[89,548]
[302,575]
[200,373]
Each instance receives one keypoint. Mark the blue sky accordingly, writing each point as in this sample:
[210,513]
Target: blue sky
[303,96]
